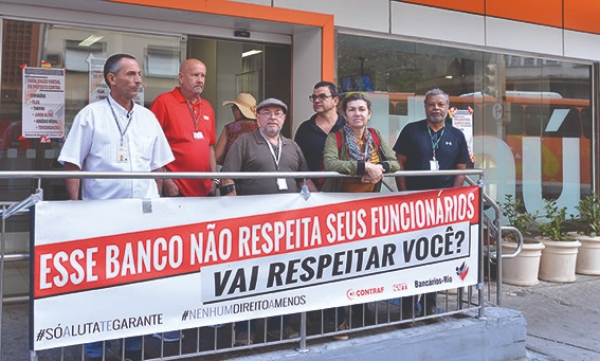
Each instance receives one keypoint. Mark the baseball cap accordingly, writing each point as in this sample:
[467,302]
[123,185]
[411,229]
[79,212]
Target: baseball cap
[246,103]
[272,101]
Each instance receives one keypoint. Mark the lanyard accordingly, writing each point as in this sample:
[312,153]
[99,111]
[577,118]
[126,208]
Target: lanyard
[276,158]
[434,143]
[122,132]
[194,118]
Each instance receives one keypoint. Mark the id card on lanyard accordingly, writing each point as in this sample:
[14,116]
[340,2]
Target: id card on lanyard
[435,140]
[122,151]
[281,182]
[195,118]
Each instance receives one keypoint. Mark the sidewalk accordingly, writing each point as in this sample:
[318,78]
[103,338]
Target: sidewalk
[563,320]
[563,324]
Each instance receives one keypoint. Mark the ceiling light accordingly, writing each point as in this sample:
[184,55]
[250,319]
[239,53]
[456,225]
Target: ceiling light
[251,52]
[90,40]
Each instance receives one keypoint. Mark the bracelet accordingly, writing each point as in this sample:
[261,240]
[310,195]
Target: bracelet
[217,182]
[224,190]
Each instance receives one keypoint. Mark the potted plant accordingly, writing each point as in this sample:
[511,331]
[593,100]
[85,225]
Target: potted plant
[560,255]
[523,269]
[588,221]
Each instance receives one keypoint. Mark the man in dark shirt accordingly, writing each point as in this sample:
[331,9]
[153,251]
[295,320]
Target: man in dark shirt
[431,144]
[311,134]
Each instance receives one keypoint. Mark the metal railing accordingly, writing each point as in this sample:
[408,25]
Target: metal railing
[492,249]
[312,325]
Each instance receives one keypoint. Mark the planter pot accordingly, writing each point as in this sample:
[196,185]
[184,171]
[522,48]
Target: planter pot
[558,260]
[588,259]
[523,269]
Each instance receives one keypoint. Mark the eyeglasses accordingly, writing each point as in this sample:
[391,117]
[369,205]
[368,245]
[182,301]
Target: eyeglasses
[269,114]
[321,97]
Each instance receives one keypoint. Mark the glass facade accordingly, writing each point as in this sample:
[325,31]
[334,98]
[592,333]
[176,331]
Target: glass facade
[260,69]
[75,50]
[532,117]
[232,67]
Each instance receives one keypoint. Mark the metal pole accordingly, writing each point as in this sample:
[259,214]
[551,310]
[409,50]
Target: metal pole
[480,276]
[2,243]
[302,348]
[498,257]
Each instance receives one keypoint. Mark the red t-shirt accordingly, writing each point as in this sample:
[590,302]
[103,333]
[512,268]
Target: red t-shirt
[192,153]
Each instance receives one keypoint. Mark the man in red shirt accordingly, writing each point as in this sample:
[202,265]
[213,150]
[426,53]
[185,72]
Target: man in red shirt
[189,125]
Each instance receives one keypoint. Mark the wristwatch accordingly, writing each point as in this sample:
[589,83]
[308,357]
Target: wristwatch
[217,182]
[224,190]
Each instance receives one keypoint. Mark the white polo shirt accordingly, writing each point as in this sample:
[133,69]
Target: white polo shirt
[94,144]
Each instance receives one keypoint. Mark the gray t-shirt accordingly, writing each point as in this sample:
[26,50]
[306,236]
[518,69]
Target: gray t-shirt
[251,153]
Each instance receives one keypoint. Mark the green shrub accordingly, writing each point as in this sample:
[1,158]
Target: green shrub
[589,216]
[554,228]
[514,210]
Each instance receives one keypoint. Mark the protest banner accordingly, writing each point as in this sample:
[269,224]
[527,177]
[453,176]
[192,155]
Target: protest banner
[118,268]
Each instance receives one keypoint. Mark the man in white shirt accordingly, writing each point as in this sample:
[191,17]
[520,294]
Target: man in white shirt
[117,135]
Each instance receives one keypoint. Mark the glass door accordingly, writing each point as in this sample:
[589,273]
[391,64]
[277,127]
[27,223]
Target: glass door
[233,67]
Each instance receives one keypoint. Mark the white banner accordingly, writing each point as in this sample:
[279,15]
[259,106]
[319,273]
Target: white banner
[118,268]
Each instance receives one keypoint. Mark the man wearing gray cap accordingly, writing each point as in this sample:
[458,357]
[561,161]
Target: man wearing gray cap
[265,150]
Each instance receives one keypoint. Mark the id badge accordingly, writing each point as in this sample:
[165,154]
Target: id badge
[122,155]
[198,135]
[282,184]
[433,164]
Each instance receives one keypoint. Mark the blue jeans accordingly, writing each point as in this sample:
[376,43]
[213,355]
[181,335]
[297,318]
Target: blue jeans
[410,306]
[94,349]
[429,303]
[421,307]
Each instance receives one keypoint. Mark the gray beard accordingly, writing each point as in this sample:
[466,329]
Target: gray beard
[269,133]
[435,120]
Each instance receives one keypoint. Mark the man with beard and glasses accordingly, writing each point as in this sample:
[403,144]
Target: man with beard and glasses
[431,144]
[265,150]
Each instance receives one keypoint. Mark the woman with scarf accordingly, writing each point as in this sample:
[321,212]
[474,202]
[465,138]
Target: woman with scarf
[359,151]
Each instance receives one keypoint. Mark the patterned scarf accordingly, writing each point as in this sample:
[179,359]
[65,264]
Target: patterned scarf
[354,149]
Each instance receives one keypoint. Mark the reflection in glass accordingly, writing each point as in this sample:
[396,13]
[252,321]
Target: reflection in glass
[546,104]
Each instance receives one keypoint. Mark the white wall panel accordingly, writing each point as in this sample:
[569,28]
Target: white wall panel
[582,45]
[514,35]
[436,24]
[369,15]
